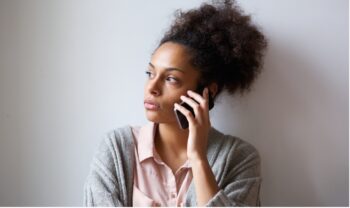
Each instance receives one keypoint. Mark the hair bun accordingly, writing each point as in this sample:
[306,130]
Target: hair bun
[224,44]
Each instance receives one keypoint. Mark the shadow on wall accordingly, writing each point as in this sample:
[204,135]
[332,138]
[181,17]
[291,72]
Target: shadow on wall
[285,116]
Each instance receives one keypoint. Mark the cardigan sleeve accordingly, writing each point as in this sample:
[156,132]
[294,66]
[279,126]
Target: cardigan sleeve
[241,185]
[100,187]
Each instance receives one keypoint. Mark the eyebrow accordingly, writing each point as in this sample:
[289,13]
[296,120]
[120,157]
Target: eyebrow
[168,68]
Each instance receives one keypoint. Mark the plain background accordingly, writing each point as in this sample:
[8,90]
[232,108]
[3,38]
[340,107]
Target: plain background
[71,70]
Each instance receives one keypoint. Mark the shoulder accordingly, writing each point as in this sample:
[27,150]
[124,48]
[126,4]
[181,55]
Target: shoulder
[119,135]
[119,132]
[230,146]
[114,141]
[113,150]
[231,157]
[112,167]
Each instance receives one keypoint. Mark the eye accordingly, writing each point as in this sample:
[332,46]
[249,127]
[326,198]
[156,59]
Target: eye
[148,73]
[172,79]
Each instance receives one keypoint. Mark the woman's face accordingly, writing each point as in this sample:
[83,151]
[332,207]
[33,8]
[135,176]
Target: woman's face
[169,75]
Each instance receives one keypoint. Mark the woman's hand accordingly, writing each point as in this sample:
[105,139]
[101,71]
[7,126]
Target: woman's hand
[199,125]
[204,180]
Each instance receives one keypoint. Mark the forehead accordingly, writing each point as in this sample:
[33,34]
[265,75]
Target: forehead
[172,54]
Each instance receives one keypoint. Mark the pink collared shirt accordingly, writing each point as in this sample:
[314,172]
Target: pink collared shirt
[154,182]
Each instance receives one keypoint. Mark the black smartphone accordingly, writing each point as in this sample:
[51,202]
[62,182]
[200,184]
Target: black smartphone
[181,119]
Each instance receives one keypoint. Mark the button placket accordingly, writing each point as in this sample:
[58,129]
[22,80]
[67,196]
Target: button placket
[173,194]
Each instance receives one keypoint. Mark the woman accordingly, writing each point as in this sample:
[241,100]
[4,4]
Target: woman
[162,164]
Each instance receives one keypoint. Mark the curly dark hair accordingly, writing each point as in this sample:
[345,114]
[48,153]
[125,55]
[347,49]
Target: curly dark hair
[222,42]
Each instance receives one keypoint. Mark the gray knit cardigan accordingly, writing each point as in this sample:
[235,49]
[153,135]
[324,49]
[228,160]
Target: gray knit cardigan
[234,162]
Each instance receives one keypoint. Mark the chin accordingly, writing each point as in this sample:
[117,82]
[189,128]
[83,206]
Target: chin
[156,117]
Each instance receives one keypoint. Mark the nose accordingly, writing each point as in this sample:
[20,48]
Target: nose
[153,87]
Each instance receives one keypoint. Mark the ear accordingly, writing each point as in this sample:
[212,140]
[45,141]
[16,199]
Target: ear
[213,88]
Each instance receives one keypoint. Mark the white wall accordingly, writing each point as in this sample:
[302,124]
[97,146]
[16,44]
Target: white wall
[72,70]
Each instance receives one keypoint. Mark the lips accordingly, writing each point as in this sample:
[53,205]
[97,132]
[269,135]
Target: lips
[151,105]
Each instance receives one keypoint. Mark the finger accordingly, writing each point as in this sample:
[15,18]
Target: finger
[202,100]
[186,113]
[194,105]
[205,94]
[206,104]
[206,98]
[198,98]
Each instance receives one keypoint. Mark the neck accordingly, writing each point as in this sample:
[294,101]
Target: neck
[171,137]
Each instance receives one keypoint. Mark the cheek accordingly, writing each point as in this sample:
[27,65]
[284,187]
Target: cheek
[172,97]
[145,87]
[168,109]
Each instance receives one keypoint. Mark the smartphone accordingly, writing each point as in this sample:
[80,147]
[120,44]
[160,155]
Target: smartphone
[181,119]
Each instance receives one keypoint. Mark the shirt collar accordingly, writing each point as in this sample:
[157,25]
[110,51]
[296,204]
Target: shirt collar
[146,141]
[145,146]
